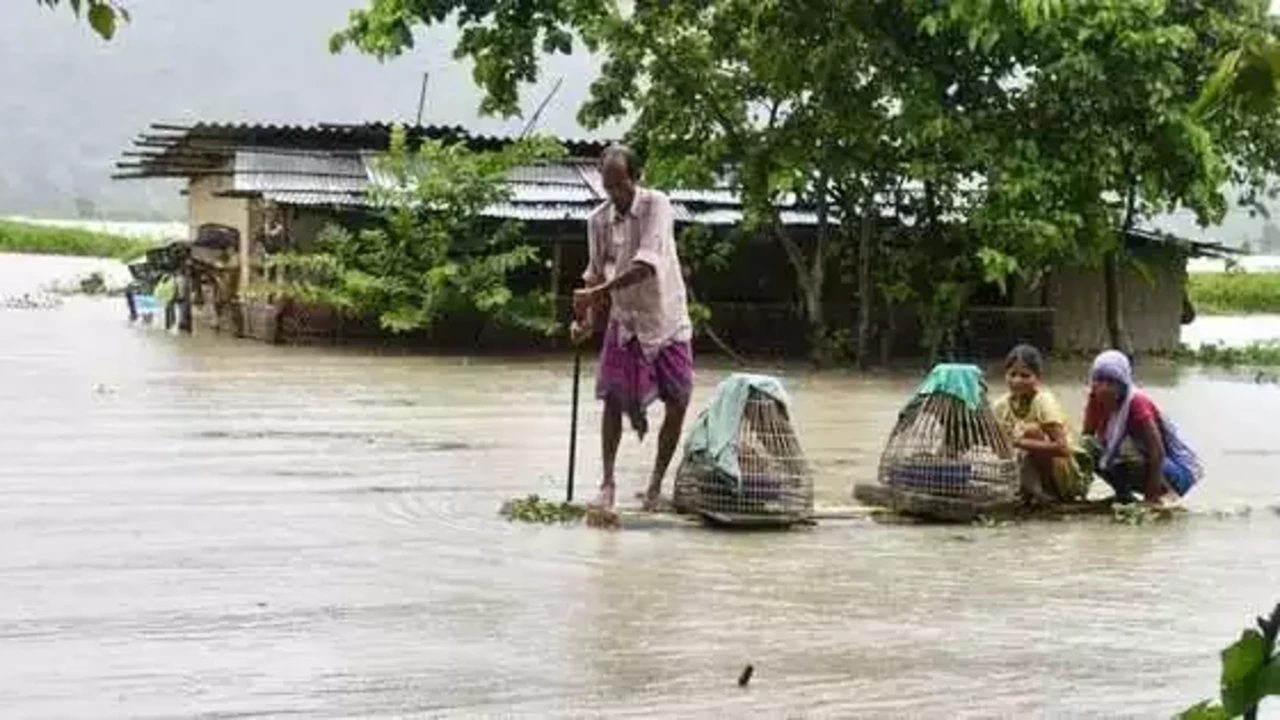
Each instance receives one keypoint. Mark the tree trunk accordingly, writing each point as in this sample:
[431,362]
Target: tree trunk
[1116,334]
[810,288]
[817,276]
[888,333]
[811,272]
[931,313]
[866,289]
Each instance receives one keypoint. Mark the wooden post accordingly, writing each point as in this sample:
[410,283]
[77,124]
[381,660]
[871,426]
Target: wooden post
[184,307]
[557,260]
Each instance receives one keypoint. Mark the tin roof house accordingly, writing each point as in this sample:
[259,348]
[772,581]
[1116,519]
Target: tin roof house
[242,178]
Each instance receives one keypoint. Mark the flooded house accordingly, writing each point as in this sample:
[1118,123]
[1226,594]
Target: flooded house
[1065,310]
[277,187]
[260,189]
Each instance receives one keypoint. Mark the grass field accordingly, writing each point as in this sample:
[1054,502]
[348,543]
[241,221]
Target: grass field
[1234,293]
[19,237]
[1256,355]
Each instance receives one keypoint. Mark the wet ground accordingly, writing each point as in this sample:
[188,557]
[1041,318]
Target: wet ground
[197,527]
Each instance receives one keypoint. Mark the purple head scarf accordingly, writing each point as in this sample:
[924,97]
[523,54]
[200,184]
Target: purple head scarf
[1114,366]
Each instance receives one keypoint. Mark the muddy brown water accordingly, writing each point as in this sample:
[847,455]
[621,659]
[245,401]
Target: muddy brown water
[197,527]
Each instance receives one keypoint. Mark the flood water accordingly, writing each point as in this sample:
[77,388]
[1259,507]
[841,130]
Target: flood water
[201,527]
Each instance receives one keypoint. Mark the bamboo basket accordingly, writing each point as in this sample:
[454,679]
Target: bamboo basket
[945,461]
[775,486]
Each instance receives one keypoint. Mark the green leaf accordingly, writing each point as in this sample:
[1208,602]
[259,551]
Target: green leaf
[1269,679]
[1206,710]
[1243,658]
[102,18]
[1241,663]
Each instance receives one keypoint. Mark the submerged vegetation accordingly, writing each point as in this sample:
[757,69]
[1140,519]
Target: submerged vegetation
[1235,293]
[19,237]
[1141,514]
[535,509]
[1256,355]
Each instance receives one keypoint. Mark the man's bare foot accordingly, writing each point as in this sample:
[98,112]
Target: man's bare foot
[605,499]
[652,499]
[1038,498]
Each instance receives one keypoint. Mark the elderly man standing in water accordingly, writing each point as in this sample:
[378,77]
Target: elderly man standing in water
[633,279]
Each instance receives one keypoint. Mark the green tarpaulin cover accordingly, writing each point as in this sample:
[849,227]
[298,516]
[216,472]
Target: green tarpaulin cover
[714,434]
[963,382]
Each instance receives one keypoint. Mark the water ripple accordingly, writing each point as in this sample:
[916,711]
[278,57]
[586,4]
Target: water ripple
[200,527]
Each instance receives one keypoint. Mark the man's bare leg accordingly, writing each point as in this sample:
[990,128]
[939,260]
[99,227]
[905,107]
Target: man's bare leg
[668,440]
[610,438]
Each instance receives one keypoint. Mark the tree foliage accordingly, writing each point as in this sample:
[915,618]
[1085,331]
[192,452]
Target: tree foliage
[104,16]
[433,252]
[1003,137]
[1104,132]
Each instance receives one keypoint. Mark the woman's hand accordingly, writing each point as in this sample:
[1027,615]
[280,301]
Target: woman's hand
[1156,486]
[1050,440]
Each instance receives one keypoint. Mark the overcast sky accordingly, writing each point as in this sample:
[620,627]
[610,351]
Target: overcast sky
[70,103]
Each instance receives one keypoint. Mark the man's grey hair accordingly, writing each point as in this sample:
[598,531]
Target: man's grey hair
[618,152]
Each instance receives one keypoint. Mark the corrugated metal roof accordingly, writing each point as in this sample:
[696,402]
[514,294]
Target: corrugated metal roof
[733,216]
[542,183]
[310,199]
[264,171]
[543,211]
[539,193]
[566,190]
[558,173]
[708,197]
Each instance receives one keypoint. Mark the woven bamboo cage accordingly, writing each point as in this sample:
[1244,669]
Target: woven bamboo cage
[774,483]
[947,458]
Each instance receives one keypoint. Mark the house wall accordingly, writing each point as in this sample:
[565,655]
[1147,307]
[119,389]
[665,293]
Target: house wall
[1151,303]
[205,206]
[305,224]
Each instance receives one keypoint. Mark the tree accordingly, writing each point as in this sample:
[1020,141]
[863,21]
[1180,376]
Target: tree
[1102,132]
[432,254]
[1241,99]
[104,16]
[710,94]
[1077,119]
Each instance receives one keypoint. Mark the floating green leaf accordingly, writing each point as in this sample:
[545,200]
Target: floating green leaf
[535,509]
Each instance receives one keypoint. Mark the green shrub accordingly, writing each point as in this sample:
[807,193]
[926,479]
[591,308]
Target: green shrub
[1234,293]
[18,237]
[1255,355]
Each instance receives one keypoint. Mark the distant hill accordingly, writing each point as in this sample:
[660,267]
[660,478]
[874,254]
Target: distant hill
[70,103]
